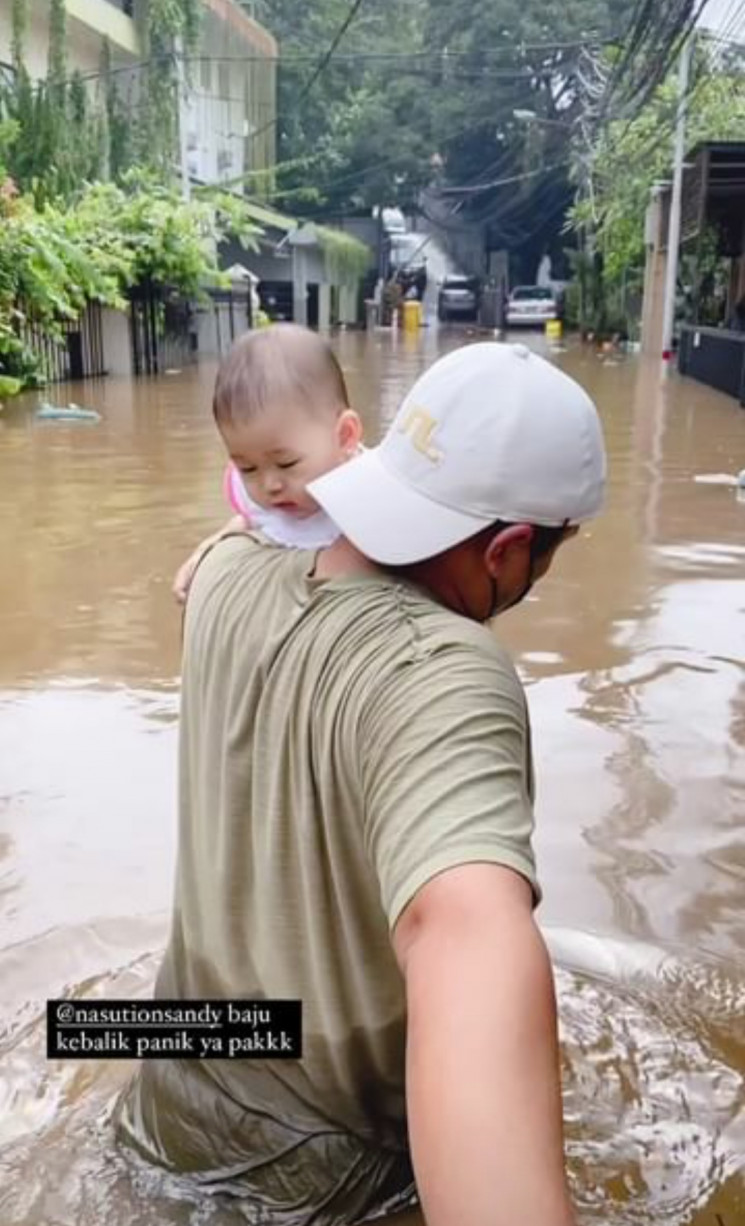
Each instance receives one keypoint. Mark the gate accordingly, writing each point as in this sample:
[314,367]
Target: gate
[78,355]
[163,330]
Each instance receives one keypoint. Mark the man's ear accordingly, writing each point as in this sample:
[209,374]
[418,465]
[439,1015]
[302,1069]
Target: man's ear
[517,536]
[349,432]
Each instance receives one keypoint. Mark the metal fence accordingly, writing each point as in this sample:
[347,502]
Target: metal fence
[231,313]
[80,352]
[167,329]
[164,328]
[162,331]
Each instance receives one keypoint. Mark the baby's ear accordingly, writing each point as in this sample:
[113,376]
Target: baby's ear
[349,432]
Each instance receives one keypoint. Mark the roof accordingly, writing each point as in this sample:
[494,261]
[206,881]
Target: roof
[724,163]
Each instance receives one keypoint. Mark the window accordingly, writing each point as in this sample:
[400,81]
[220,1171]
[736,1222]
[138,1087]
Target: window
[532,293]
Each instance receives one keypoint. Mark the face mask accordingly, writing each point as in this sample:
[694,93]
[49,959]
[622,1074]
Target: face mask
[495,607]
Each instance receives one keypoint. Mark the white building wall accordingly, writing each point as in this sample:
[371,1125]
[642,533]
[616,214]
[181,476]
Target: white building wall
[88,23]
[227,86]
[231,85]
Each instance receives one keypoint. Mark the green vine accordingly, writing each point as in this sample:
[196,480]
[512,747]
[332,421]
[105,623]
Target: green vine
[168,28]
[346,258]
[19,22]
[51,137]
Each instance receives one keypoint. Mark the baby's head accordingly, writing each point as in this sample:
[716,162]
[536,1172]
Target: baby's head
[282,409]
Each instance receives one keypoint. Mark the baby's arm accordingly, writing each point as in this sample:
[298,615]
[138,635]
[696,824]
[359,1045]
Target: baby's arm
[185,573]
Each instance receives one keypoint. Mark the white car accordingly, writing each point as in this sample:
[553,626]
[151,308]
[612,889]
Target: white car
[531,305]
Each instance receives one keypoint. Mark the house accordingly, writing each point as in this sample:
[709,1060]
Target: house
[710,305]
[229,104]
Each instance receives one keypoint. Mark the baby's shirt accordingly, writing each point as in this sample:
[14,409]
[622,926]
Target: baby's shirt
[316,531]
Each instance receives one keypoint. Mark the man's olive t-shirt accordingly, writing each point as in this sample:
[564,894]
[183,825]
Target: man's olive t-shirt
[341,744]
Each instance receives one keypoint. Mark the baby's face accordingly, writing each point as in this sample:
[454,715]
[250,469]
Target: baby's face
[283,449]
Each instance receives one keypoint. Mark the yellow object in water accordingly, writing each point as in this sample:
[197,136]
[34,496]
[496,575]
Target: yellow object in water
[553,330]
[412,316]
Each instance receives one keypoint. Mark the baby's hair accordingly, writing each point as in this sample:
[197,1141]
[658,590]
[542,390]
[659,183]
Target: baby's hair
[275,365]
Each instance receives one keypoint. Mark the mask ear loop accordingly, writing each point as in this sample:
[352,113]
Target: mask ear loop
[532,559]
[533,551]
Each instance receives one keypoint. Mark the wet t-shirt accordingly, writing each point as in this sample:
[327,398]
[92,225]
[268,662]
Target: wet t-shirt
[341,743]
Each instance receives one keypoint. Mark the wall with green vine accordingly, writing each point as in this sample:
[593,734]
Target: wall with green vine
[58,133]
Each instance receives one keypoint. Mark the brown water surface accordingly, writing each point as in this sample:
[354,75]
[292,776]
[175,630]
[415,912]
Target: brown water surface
[632,651]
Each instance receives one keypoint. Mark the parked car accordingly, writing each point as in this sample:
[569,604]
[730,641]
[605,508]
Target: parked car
[458,298]
[531,305]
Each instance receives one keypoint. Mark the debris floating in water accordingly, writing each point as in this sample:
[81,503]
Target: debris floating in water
[73,412]
[722,479]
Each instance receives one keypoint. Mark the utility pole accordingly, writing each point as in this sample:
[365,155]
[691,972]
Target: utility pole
[673,235]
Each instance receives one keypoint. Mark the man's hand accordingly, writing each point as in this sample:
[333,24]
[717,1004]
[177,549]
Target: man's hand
[185,572]
[483,1087]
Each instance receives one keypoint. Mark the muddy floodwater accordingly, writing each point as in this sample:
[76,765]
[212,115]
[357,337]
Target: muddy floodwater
[633,655]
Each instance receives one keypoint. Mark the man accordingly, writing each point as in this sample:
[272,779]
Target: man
[356,823]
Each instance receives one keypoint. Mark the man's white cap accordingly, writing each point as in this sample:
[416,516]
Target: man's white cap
[489,432]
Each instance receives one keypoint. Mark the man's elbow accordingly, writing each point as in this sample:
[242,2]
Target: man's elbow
[468,900]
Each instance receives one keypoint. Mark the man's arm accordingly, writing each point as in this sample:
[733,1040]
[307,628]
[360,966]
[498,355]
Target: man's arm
[483,1086]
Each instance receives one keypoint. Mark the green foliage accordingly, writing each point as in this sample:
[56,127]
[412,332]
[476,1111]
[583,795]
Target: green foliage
[45,277]
[166,26]
[9,387]
[55,259]
[51,139]
[19,21]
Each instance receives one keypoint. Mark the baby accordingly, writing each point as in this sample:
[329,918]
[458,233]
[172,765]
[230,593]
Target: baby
[282,409]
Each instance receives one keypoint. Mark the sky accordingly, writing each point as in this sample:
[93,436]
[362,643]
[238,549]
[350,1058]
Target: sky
[725,16]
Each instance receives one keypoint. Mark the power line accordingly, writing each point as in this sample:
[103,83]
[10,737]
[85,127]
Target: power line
[511,49]
[352,176]
[484,187]
[497,74]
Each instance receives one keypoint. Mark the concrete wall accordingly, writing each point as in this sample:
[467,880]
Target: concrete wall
[348,305]
[117,343]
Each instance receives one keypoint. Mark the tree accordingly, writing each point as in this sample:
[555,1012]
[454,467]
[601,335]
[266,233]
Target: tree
[423,90]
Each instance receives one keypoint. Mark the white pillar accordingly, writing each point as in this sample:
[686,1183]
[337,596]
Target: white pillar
[299,286]
[673,240]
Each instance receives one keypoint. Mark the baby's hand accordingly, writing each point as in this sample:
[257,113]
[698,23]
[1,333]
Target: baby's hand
[185,572]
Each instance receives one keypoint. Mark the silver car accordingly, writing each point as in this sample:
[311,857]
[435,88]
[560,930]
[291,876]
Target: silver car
[458,298]
[531,305]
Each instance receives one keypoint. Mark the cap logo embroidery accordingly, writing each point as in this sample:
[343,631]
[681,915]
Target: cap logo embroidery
[419,425]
